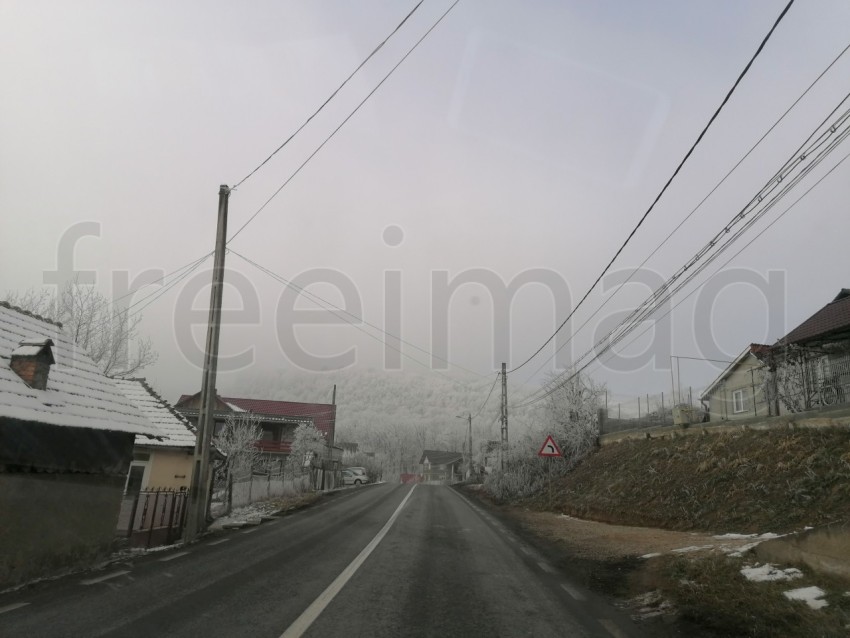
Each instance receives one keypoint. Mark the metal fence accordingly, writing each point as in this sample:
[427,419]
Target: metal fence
[152,517]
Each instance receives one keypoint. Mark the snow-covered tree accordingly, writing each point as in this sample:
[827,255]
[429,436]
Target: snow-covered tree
[237,440]
[306,443]
[109,334]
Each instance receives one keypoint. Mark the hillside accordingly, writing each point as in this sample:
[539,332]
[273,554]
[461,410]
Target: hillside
[766,481]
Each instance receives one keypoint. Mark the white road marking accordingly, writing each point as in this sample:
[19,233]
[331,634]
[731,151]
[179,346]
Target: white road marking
[546,567]
[572,591]
[92,581]
[173,556]
[12,607]
[309,615]
[250,531]
[612,628]
[219,541]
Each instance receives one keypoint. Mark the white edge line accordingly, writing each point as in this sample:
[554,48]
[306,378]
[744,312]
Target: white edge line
[172,557]
[219,541]
[250,531]
[612,628]
[309,615]
[12,607]
[572,591]
[100,579]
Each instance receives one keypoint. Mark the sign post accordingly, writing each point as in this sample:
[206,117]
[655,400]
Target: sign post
[549,450]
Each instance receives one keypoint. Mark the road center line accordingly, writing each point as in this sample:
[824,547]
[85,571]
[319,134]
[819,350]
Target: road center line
[309,615]
[172,557]
[100,579]
[219,541]
[250,531]
[12,607]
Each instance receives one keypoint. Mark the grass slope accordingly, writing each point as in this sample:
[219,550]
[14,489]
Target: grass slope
[777,481]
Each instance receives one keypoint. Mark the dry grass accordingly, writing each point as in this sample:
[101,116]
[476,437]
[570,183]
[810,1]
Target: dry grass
[750,481]
[710,592]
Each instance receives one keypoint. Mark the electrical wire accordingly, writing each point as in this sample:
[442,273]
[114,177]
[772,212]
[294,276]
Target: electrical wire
[331,96]
[489,394]
[343,123]
[640,314]
[664,188]
[691,213]
[356,320]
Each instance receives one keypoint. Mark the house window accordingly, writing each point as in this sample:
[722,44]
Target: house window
[738,401]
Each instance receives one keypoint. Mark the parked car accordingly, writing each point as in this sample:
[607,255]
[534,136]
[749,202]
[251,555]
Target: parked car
[352,477]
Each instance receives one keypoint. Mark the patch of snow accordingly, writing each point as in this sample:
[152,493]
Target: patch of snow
[692,548]
[768,572]
[812,596]
[652,555]
[734,537]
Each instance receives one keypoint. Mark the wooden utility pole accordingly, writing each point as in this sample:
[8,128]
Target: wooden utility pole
[504,447]
[470,445]
[196,521]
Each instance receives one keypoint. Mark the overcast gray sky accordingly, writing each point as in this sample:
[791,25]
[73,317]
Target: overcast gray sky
[518,136]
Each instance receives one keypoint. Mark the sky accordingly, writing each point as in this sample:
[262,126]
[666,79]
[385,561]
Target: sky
[519,142]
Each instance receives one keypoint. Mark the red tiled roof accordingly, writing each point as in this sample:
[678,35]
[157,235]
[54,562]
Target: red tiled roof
[834,317]
[323,414]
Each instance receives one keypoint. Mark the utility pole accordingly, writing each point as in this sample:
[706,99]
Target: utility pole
[470,445]
[196,521]
[504,446]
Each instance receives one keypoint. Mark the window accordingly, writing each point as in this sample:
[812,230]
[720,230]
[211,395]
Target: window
[135,479]
[738,401]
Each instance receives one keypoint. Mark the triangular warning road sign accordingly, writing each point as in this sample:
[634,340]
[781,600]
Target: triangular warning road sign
[550,448]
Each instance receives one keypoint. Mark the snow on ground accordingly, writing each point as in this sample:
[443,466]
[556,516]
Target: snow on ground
[768,572]
[692,548]
[244,514]
[812,596]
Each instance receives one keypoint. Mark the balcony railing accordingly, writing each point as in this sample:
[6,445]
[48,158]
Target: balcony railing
[278,447]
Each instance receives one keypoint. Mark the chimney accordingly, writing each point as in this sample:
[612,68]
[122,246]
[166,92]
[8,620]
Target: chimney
[31,361]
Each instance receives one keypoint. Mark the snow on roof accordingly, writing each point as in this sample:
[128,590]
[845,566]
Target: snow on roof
[176,428]
[78,394]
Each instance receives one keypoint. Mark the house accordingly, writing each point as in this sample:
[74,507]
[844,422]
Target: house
[165,463]
[277,419]
[440,466]
[810,366]
[66,444]
[739,391]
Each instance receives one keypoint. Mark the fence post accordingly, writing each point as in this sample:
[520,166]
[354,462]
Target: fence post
[250,485]
[153,517]
[268,484]
[228,505]
[169,535]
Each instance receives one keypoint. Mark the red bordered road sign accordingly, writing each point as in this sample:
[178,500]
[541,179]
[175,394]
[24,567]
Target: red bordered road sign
[550,448]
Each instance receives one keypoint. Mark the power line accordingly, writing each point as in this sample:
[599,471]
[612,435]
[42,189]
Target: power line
[747,245]
[664,188]
[343,123]
[489,394]
[690,214]
[643,311]
[323,302]
[331,96]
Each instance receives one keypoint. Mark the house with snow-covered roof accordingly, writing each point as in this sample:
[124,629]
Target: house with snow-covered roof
[164,463]
[66,444]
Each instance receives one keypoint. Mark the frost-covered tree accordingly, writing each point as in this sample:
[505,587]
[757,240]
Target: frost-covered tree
[109,334]
[573,408]
[237,441]
[306,443]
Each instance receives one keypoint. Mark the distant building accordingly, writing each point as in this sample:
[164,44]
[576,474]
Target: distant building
[440,466]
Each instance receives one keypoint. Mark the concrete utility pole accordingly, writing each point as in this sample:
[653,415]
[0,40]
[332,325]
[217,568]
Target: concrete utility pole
[504,447]
[196,519]
[470,445]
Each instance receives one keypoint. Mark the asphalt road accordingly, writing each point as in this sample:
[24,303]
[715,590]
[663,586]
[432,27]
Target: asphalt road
[384,560]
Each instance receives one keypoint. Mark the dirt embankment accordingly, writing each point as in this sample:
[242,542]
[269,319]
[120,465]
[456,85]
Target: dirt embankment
[749,481]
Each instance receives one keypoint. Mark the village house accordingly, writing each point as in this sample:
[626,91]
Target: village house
[66,444]
[739,391]
[440,466]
